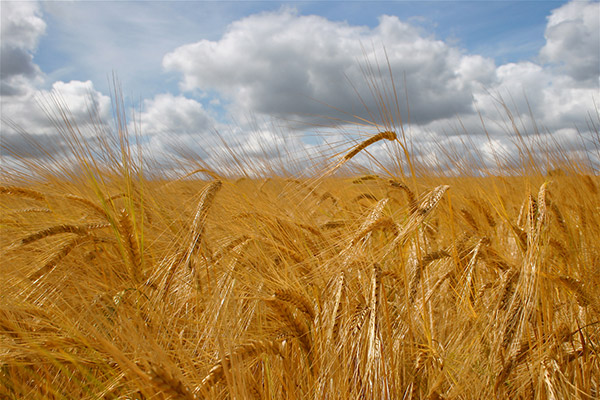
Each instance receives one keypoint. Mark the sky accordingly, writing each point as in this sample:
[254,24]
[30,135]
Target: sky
[299,75]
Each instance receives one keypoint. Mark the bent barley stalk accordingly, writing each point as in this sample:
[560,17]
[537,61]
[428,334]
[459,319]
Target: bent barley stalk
[388,135]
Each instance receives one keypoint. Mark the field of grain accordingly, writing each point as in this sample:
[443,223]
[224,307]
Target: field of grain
[337,286]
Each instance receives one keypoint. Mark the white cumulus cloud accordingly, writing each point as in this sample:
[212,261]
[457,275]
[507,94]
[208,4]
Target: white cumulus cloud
[278,63]
[573,40]
[21,27]
[168,114]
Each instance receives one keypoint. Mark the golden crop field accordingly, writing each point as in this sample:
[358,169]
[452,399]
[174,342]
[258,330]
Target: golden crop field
[335,286]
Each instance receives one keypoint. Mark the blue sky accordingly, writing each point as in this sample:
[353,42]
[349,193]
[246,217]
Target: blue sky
[194,68]
[90,39]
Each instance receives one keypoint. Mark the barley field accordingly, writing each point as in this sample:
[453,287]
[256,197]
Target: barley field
[347,284]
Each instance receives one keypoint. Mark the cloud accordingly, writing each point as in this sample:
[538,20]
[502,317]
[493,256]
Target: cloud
[573,40]
[277,63]
[168,114]
[81,100]
[34,125]
[27,109]
[38,112]
[22,24]
[21,28]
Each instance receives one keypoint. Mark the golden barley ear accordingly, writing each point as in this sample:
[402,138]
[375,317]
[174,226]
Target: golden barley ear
[362,196]
[389,135]
[228,247]
[417,217]
[584,298]
[420,267]
[484,209]
[248,349]
[60,229]
[383,222]
[431,200]
[294,325]
[326,196]
[206,200]
[365,178]
[333,224]
[184,256]
[62,253]
[412,200]
[589,183]
[373,327]
[22,192]
[357,243]
[298,300]
[470,219]
[30,210]
[168,384]
[90,205]
[335,317]
[312,189]
[131,244]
